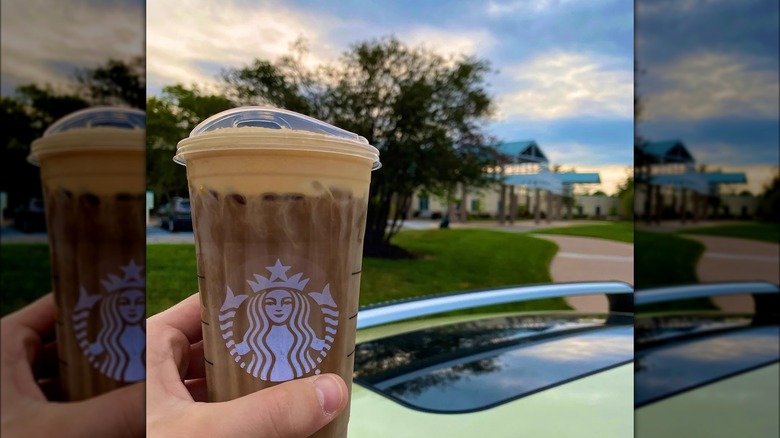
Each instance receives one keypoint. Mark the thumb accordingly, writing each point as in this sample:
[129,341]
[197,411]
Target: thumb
[294,409]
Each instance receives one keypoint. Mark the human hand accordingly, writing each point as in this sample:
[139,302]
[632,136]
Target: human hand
[176,390]
[28,369]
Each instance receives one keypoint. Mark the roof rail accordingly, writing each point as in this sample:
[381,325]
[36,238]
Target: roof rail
[674,293]
[766,296]
[620,297]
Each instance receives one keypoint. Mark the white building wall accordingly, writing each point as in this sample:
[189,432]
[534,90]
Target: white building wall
[739,206]
[486,202]
[733,205]
[595,206]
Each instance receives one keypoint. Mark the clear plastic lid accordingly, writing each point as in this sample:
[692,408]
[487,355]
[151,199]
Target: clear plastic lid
[287,124]
[101,116]
[92,129]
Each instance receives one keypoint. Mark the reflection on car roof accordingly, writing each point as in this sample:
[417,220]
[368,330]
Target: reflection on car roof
[475,365]
[679,353]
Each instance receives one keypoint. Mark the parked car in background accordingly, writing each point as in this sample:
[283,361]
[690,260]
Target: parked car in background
[495,373]
[30,217]
[176,215]
[702,371]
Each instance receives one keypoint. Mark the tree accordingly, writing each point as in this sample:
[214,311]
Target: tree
[170,118]
[625,195]
[33,107]
[115,83]
[424,112]
[769,206]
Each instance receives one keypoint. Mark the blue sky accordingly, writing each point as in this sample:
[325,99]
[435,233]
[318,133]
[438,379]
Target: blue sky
[563,69]
[710,79]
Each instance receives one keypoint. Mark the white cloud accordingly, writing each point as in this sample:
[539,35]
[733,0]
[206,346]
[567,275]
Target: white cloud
[185,41]
[561,84]
[497,8]
[449,42]
[707,85]
[38,35]
[181,36]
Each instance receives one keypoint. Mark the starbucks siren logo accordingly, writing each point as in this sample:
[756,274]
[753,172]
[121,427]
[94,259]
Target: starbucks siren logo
[118,347]
[279,343]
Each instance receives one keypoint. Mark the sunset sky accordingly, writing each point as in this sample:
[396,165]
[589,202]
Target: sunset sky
[563,69]
[709,78]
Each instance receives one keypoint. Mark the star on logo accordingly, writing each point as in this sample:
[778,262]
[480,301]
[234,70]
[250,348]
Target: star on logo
[278,271]
[132,270]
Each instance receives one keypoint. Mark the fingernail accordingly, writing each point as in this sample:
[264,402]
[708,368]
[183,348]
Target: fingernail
[329,392]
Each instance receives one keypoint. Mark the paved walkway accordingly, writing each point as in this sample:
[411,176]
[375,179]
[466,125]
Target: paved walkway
[9,234]
[590,259]
[523,226]
[671,226]
[733,259]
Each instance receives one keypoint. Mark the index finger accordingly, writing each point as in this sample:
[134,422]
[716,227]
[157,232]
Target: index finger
[184,317]
[39,316]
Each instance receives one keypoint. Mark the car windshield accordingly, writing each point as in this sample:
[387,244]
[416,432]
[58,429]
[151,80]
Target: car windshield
[36,205]
[475,365]
[183,206]
[680,352]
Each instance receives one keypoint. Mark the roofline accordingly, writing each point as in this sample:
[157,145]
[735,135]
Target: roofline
[618,293]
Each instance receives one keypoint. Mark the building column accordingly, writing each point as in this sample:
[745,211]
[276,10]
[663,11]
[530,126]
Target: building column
[502,205]
[537,204]
[559,208]
[659,205]
[512,205]
[684,206]
[464,209]
[548,213]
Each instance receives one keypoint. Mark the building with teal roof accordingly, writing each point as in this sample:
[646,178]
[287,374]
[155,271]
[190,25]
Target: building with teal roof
[672,186]
[528,178]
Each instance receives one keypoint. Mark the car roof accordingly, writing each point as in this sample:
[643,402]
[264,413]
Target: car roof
[476,364]
[598,406]
[681,348]
[742,405]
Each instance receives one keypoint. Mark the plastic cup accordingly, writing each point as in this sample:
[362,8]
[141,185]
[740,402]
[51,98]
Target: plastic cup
[93,176]
[279,210]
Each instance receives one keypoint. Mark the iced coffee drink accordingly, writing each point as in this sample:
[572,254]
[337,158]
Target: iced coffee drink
[279,209]
[93,176]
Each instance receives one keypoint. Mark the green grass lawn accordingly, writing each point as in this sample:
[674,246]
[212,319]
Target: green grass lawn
[25,274]
[664,259]
[622,231]
[449,260]
[763,231]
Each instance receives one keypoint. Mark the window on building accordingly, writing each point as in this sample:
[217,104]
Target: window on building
[423,204]
[475,205]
